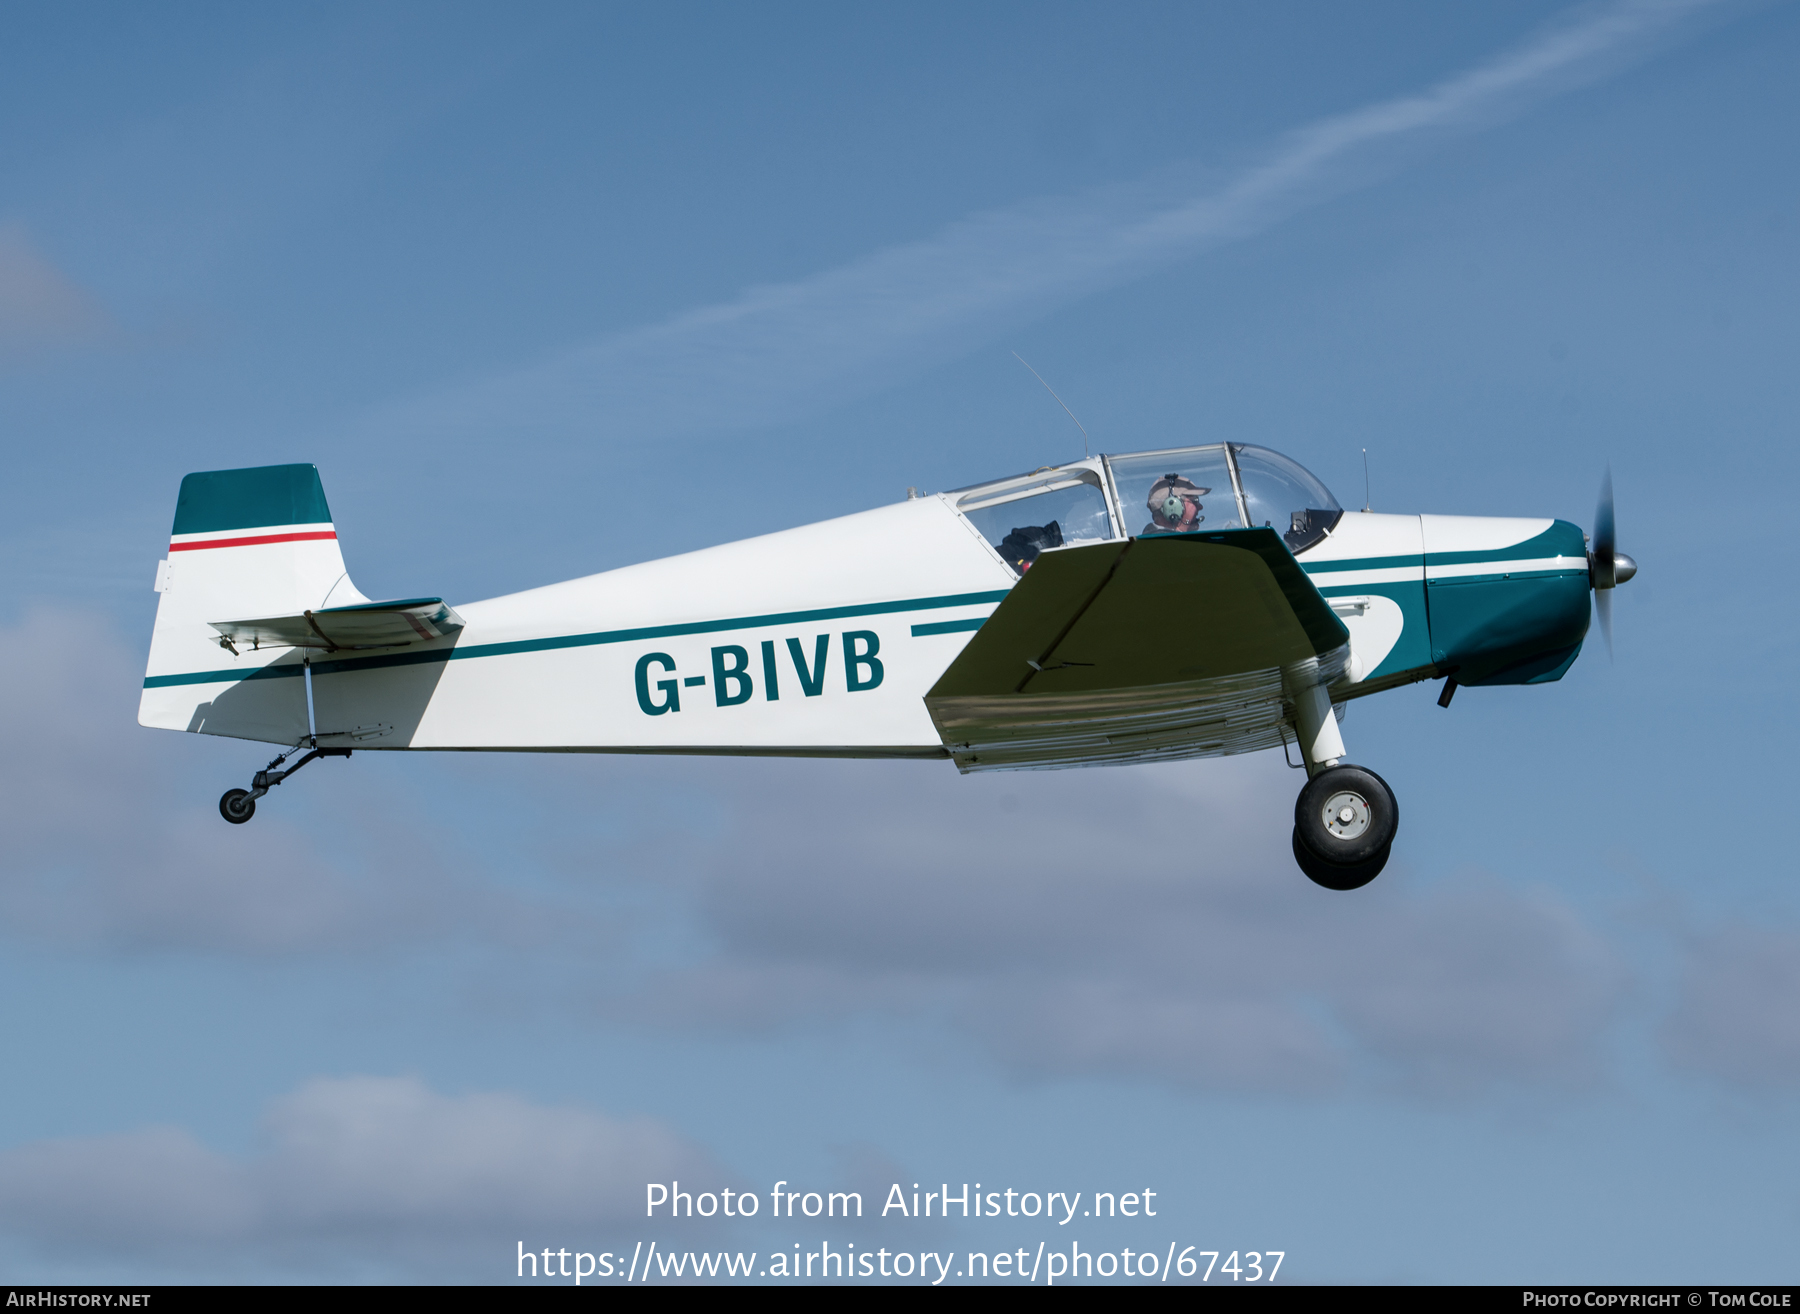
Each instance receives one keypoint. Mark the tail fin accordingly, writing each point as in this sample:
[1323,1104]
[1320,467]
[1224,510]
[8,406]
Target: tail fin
[256,542]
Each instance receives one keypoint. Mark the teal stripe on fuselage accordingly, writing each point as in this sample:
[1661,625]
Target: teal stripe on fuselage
[1415,561]
[1510,574]
[340,664]
[948,627]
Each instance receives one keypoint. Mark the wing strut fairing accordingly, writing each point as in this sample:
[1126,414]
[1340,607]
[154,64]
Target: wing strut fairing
[1181,645]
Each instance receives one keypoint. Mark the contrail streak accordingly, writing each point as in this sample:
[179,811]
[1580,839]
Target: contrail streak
[779,351]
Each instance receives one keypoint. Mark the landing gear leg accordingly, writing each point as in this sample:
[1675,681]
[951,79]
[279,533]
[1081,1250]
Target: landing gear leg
[238,805]
[1346,816]
[1320,743]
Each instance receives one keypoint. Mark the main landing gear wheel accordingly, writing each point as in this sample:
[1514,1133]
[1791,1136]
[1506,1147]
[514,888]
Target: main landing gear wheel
[1344,824]
[1335,876]
[236,806]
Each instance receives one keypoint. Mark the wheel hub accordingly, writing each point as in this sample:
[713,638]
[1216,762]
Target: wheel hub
[1346,815]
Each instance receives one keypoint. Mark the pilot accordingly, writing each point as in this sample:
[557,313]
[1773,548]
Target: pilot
[1175,506]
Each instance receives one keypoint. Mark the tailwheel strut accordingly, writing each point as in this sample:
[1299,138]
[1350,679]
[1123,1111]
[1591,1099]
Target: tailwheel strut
[238,805]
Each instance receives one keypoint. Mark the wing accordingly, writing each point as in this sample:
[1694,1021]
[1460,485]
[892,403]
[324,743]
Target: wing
[366,625]
[1182,645]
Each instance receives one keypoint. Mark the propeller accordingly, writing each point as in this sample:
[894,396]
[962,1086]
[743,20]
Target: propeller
[1607,566]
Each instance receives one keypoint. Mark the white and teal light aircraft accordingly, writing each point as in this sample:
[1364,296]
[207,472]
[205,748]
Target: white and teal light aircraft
[1190,602]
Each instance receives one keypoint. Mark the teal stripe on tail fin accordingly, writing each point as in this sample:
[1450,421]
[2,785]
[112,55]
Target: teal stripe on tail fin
[217,500]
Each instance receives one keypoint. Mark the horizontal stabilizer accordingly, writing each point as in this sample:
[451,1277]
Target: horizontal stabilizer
[335,629]
[1169,646]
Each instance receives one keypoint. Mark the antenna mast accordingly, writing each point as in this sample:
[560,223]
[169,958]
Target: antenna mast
[1366,501]
[1059,401]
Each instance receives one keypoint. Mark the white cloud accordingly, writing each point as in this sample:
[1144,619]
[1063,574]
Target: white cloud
[112,838]
[375,1153]
[127,1191]
[383,1168]
[1737,1017]
[1126,921]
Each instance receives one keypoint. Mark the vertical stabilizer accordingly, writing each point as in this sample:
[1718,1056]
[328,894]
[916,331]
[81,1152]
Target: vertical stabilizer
[246,543]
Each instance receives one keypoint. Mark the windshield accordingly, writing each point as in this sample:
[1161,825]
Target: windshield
[1283,495]
[1023,517]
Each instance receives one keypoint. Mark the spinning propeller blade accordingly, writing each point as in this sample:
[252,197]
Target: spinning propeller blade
[1607,566]
[1605,549]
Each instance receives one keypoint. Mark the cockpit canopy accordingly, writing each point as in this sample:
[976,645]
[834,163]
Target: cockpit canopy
[1175,491]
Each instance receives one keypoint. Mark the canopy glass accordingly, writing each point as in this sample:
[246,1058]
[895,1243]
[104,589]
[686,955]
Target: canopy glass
[1179,490]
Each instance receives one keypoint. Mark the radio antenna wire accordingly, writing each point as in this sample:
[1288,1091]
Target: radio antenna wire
[1085,443]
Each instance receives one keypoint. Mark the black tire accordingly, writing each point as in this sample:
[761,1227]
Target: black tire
[1369,798]
[1334,877]
[236,806]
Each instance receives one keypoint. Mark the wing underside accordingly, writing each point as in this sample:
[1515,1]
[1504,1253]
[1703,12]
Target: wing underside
[335,629]
[1166,647]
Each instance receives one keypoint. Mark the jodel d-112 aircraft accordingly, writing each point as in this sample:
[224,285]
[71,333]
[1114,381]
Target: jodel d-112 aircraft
[1191,602]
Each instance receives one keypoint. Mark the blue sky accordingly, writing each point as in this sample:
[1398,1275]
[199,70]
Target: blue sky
[514,279]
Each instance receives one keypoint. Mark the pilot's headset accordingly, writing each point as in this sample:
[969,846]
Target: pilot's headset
[1168,494]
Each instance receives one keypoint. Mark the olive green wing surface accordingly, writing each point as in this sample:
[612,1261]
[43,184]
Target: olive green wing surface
[1170,646]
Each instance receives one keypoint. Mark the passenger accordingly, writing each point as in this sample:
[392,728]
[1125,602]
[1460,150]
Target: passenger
[1022,545]
[1175,506]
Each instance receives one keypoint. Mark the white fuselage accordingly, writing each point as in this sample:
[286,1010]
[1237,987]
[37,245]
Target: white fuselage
[821,640]
[633,658]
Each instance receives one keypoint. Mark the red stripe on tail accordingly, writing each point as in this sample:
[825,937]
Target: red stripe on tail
[249,542]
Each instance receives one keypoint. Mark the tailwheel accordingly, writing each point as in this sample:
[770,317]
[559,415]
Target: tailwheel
[239,805]
[236,806]
[1344,825]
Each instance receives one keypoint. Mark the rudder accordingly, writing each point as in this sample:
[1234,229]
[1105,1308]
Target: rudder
[252,542]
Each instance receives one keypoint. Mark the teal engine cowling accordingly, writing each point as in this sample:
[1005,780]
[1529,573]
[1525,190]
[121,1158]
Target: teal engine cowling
[1508,615]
